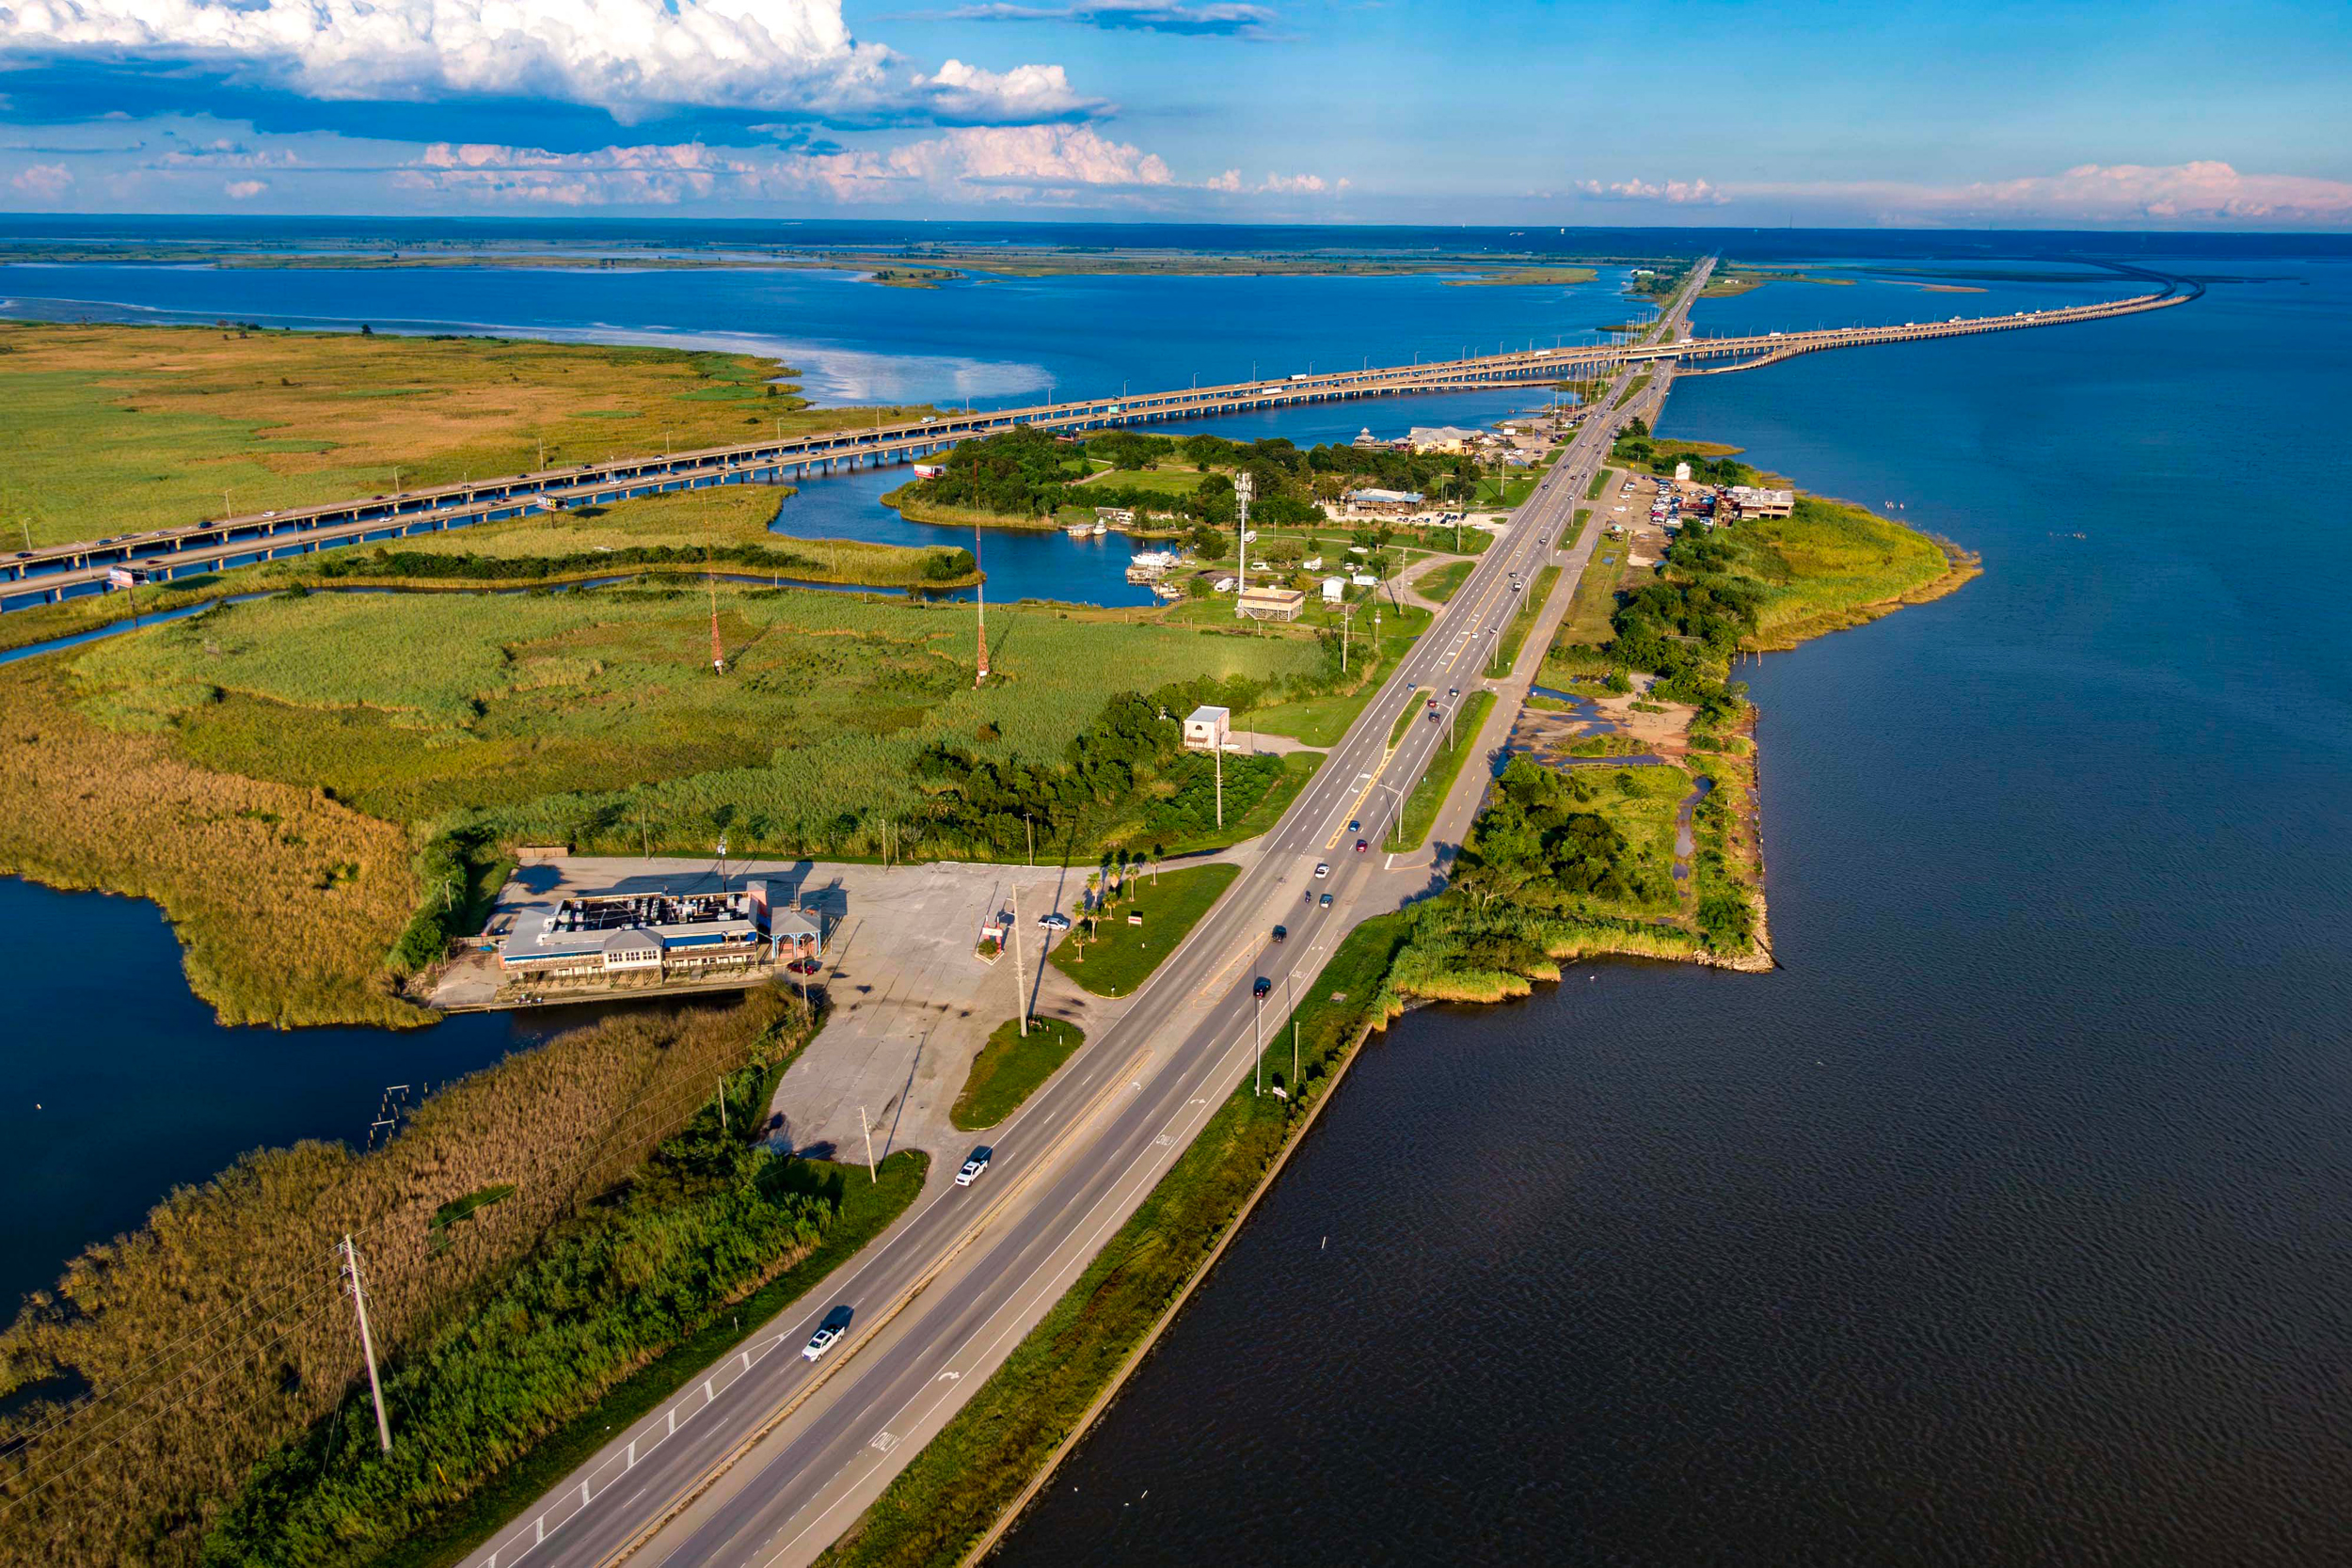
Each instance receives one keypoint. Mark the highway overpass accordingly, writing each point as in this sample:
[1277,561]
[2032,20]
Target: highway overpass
[49,573]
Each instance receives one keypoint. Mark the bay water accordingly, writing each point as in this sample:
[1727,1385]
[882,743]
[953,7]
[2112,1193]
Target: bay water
[2006,1222]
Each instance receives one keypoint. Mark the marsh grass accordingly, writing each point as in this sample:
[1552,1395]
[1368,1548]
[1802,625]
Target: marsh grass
[216,1332]
[115,429]
[284,900]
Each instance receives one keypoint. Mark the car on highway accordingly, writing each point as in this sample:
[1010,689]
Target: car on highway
[1454,691]
[836,1324]
[1354,826]
[974,1165]
[1281,933]
[1361,845]
[1261,987]
[1327,901]
[1323,868]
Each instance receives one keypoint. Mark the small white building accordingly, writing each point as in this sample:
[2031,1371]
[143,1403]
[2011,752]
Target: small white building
[1682,473]
[1267,603]
[1365,579]
[1312,564]
[1208,729]
[1334,590]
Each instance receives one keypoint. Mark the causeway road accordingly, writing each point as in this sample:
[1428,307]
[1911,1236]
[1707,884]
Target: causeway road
[772,1458]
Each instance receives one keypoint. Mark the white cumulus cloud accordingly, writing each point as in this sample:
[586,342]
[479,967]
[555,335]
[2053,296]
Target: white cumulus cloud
[1679,193]
[1274,184]
[632,58]
[974,164]
[44,181]
[2206,191]
[244,190]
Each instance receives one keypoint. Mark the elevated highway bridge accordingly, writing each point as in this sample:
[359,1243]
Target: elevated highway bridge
[49,573]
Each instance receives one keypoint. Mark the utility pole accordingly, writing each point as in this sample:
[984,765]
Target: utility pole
[865,1127]
[1294,1058]
[1028,825]
[367,1342]
[1257,1036]
[1219,751]
[1020,987]
[722,1103]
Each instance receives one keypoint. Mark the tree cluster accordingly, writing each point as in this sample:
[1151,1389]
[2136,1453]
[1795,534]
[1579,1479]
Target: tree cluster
[1534,844]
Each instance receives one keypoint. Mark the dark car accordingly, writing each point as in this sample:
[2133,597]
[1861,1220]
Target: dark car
[1454,691]
[1354,826]
[1281,933]
[1326,900]
[1361,845]
[1261,987]
[804,966]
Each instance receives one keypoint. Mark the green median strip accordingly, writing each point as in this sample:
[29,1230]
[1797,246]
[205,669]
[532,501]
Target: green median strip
[1397,730]
[1601,482]
[1110,957]
[944,1503]
[1437,781]
[1523,622]
[1575,533]
[1009,1067]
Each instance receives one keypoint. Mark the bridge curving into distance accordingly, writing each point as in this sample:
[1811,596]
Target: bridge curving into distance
[49,573]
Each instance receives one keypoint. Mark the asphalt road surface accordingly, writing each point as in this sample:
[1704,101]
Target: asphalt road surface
[772,1458]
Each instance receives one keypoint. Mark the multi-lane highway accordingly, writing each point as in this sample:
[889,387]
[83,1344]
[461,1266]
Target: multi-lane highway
[772,1457]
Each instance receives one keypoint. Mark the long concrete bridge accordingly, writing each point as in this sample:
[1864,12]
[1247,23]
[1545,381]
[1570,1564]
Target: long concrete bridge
[53,572]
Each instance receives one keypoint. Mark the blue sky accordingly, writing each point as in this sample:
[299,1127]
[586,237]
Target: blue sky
[2052,115]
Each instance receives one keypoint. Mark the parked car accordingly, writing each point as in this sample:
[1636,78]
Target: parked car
[836,1324]
[974,1165]
[804,966]
[1054,920]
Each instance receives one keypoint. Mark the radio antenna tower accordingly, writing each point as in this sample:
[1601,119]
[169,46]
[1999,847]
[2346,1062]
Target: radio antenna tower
[718,650]
[979,595]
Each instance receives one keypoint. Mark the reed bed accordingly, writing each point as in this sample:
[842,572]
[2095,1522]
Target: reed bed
[284,900]
[219,1330]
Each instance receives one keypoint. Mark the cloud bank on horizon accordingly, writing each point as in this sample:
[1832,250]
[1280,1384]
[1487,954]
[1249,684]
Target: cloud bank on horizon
[1145,108]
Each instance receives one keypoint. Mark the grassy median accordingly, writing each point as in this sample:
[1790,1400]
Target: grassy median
[1009,1067]
[1437,780]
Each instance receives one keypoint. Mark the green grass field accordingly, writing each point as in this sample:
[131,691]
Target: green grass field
[1595,599]
[409,705]
[1164,482]
[1010,1068]
[1122,956]
[1574,534]
[1309,720]
[1442,582]
[117,429]
[1429,793]
[1829,558]
[1601,482]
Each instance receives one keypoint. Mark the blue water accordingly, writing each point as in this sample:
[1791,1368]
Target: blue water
[2009,1221]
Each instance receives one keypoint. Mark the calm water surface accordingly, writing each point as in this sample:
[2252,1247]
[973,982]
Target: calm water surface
[2010,1222]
